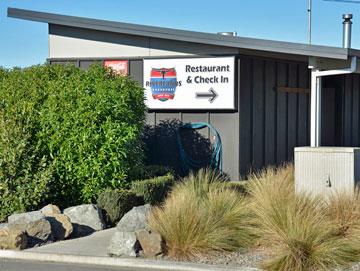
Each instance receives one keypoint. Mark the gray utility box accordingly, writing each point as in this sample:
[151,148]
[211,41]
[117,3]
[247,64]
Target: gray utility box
[324,170]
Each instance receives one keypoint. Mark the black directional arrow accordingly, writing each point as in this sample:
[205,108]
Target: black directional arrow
[212,95]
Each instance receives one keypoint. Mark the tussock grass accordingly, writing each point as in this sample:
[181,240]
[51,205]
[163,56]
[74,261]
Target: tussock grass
[299,228]
[343,209]
[202,215]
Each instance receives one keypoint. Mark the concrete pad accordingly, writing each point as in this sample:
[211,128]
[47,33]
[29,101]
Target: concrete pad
[93,245]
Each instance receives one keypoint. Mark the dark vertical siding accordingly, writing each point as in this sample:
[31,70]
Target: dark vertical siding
[328,117]
[349,88]
[282,110]
[136,70]
[272,122]
[85,64]
[246,116]
[303,107]
[292,112]
[348,107]
[258,113]
[270,112]
[355,112]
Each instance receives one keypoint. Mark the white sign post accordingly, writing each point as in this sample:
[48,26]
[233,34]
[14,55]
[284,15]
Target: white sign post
[190,83]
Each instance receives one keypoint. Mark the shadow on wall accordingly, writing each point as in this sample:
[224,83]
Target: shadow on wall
[162,145]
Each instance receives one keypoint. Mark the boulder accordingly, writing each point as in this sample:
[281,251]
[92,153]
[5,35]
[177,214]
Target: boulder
[13,239]
[124,244]
[50,210]
[151,243]
[60,225]
[135,219]
[24,218]
[85,218]
[4,225]
[39,232]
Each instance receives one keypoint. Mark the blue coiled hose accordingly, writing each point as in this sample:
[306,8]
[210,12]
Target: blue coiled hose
[216,156]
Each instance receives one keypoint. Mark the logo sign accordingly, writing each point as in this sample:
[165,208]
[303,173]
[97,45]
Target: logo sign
[120,67]
[190,83]
[163,83]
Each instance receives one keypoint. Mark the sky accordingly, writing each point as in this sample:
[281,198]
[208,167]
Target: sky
[24,43]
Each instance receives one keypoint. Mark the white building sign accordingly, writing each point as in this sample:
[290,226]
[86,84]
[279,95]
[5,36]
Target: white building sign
[190,83]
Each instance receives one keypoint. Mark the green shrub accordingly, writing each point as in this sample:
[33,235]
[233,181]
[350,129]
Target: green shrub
[154,190]
[296,227]
[201,215]
[150,171]
[25,172]
[116,203]
[66,134]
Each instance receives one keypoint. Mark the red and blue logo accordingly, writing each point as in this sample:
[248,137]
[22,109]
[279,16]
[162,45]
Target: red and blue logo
[163,83]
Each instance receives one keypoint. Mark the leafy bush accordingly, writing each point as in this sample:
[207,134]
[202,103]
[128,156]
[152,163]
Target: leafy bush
[296,226]
[154,190]
[24,170]
[150,171]
[66,134]
[116,203]
[202,215]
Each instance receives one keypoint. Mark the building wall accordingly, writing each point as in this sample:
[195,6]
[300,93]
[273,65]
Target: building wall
[267,123]
[348,110]
[264,129]
[272,122]
[70,42]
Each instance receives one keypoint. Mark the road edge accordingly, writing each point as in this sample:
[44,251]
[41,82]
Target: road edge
[115,262]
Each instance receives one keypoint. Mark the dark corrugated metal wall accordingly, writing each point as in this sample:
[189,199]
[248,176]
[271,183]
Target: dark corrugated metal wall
[349,86]
[272,122]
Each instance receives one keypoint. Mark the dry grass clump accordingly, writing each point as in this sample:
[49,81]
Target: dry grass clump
[202,215]
[297,227]
[343,209]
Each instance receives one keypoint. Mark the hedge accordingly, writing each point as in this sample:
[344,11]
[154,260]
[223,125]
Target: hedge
[151,171]
[154,190]
[66,134]
[116,203]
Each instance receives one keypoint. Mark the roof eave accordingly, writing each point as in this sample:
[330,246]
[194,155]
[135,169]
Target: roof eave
[183,35]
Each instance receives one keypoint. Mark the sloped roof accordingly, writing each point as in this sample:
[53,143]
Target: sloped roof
[184,35]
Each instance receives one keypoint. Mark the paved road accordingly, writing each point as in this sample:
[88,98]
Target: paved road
[16,265]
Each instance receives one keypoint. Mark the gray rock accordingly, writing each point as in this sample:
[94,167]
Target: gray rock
[13,239]
[124,244]
[39,232]
[50,210]
[24,218]
[60,225]
[4,225]
[85,218]
[135,219]
[151,243]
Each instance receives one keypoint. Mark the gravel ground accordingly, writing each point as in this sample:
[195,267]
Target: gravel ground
[252,258]
[248,259]
[355,267]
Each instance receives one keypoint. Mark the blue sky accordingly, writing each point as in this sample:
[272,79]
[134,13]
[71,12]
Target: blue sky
[24,43]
